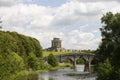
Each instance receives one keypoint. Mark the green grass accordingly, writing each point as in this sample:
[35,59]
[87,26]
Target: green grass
[46,53]
[62,65]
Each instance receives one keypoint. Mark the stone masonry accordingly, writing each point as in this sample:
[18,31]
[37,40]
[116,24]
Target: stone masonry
[55,45]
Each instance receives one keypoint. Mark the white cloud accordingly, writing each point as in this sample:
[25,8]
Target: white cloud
[78,39]
[96,31]
[9,2]
[44,23]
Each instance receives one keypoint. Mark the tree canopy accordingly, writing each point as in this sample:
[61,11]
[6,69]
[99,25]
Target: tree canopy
[23,45]
[18,53]
[109,48]
[52,60]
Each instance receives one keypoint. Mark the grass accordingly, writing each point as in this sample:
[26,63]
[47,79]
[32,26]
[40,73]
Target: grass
[46,53]
[62,65]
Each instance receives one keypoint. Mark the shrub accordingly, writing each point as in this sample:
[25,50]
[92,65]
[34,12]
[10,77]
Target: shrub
[52,60]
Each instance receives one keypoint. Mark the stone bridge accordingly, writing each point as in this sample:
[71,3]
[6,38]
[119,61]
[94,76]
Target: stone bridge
[88,57]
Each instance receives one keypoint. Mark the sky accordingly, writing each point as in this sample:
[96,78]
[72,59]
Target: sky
[75,22]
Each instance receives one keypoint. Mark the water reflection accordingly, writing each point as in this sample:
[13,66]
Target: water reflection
[67,74]
[62,74]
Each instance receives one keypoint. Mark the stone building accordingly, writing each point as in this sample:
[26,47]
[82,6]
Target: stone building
[56,45]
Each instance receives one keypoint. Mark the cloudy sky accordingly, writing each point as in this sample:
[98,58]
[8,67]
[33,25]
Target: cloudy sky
[76,22]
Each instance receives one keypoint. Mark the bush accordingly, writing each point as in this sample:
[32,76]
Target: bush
[33,62]
[80,61]
[52,60]
[10,64]
[104,70]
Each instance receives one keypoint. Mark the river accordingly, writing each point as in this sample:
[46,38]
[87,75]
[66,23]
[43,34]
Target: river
[67,74]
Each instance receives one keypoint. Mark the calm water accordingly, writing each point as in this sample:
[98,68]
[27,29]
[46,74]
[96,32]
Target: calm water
[67,74]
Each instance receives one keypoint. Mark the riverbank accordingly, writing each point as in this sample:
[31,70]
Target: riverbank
[61,65]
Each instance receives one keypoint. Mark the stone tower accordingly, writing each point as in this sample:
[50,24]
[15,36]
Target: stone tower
[56,43]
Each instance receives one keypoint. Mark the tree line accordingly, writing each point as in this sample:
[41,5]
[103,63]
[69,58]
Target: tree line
[18,53]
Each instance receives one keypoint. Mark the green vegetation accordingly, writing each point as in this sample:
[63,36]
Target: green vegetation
[62,65]
[80,61]
[21,56]
[104,70]
[33,62]
[52,60]
[47,53]
[88,51]
[108,54]
[9,62]
[18,53]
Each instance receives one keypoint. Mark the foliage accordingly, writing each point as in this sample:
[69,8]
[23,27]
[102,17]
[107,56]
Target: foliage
[68,60]
[65,65]
[20,44]
[52,60]
[104,70]
[9,65]
[47,53]
[32,61]
[80,61]
[31,75]
[87,51]
[110,45]
[15,54]
[43,65]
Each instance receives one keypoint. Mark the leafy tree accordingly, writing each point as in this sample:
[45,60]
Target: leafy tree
[33,62]
[43,65]
[104,70]
[15,54]
[23,45]
[110,45]
[10,64]
[52,60]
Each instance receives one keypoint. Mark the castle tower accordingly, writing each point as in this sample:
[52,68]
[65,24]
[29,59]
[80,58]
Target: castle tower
[56,43]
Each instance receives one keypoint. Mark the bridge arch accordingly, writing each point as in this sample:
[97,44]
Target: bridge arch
[80,60]
[86,57]
[69,60]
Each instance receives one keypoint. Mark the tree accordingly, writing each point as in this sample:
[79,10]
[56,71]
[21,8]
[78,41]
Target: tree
[23,45]
[15,52]
[104,70]
[33,62]
[52,60]
[10,64]
[110,45]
